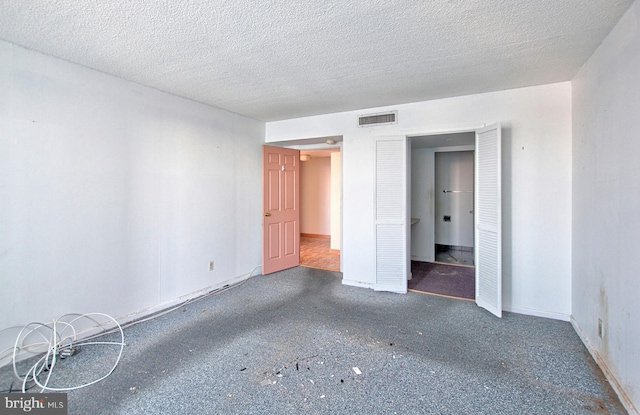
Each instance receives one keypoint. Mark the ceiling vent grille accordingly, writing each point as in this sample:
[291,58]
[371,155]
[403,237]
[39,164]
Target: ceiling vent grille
[378,119]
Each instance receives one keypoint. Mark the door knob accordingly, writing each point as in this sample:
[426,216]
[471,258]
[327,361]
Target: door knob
[267,214]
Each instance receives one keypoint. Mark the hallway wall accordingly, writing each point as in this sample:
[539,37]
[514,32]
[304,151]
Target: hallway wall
[422,205]
[336,200]
[454,171]
[315,196]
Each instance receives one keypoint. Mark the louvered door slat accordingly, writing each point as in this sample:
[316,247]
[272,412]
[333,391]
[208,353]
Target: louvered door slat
[488,234]
[391,214]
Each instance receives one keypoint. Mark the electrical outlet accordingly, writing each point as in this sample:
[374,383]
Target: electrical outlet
[210,265]
[600,328]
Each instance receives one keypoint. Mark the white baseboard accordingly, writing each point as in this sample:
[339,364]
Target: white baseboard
[354,283]
[537,313]
[122,320]
[617,387]
[421,258]
[137,315]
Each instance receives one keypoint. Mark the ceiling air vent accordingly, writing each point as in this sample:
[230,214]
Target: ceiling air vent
[378,119]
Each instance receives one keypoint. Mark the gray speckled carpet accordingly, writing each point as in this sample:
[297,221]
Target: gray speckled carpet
[298,341]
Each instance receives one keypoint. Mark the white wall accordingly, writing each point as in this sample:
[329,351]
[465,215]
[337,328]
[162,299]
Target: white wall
[315,196]
[114,197]
[536,124]
[336,200]
[606,203]
[422,204]
[454,171]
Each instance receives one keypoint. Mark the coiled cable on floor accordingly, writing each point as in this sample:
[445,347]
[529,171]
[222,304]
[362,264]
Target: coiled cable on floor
[61,342]
[59,345]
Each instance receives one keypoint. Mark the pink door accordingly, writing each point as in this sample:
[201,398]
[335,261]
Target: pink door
[280,203]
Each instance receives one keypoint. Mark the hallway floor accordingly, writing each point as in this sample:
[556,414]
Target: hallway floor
[315,252]
[454,255]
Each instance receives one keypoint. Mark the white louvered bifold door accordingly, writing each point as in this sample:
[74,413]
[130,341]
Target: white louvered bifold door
[391,215]
[488,219]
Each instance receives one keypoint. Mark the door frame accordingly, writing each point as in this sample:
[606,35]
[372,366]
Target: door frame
[471,129]
[319,143]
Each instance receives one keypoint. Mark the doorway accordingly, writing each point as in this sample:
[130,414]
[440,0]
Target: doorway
[442,212]
[320,196]
[271,233]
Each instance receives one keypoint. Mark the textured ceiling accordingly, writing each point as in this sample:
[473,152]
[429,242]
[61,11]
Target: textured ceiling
[274,60]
